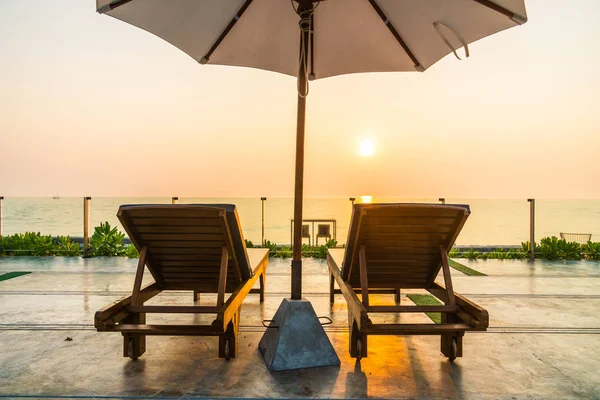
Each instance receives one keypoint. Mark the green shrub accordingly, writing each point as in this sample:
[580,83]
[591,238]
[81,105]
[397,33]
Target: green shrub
[331,243]
[131,252]
[454,253]
[525,247]
[249,244]
[591,250]
[549,248]
[269,245]
[106,241]
[498,254]
[569,250]
[29,244]
[471,255]
[516,254]
[283,252]
[67,247]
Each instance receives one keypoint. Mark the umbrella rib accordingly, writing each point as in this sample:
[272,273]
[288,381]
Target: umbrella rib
[311,74]
[519,19]
[111,6]
[228,28]
[394,32]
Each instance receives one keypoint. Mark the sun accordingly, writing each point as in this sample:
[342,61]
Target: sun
[366,148]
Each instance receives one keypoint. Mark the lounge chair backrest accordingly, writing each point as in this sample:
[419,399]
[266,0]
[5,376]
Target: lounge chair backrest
[402,242]
[185,241]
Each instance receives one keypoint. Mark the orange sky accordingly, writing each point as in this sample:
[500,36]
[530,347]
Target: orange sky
[92,106]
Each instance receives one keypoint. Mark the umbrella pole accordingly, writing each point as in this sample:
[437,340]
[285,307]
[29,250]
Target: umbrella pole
[298,193]
[297,338]
[299,173]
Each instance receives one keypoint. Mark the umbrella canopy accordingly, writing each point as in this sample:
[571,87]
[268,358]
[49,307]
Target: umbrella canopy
[347,36]
[314,39]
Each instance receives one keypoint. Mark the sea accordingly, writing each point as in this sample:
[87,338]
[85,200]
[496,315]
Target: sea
[493,222]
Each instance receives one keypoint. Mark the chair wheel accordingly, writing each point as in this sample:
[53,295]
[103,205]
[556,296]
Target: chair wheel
[227,351]
[359,350]
[453,350]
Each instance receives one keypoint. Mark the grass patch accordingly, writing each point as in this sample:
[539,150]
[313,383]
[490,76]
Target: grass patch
[464,269]
[427,300]
[10,275]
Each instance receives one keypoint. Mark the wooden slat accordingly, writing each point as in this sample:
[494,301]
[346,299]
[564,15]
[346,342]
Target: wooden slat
[371,290]
[174,309]
[206,286]
[183,237]
[393,243]
[392,276]
[403,258]
[172,213]
[397,238]
[208,222]
[400,285]
[376,279]
[194,275]
[208,251]
[202,258]
[167,330]
[197,264]
[412,309]
[406,270]
[183,245]
[412,212]
[407,221]
[190,283]
[415,329]
[400,249]
[179,229]
[372,229]
[212,268]
[364,282]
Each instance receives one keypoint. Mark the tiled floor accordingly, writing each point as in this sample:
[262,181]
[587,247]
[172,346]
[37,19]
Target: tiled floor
[543,340]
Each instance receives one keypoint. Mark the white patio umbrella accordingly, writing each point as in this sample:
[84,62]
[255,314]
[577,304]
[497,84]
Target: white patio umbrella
[313,39]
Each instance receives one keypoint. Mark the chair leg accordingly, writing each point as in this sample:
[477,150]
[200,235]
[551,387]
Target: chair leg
[134,344]
[451,344]
[228,342]
[331,288]
[263,283]
[358,342]
[196,296]
[397,296]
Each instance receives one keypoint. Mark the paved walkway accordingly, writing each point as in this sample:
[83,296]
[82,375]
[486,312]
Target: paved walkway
[543,340]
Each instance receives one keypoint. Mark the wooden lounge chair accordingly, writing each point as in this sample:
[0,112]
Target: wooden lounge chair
[186,247]
[397,246]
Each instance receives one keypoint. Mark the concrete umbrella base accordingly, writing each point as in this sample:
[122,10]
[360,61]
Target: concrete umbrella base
[295,339]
